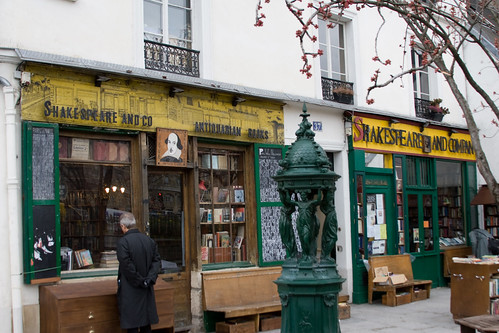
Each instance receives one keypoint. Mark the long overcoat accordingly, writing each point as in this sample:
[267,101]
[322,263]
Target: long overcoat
[139,265]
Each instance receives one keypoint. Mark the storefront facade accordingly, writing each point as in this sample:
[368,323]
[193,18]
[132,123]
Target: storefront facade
[411,184]
[192,165]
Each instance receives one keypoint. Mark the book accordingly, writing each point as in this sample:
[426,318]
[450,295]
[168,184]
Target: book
[238,195]
[223,195]
[83,258]
[238,242]
[238,214]
[204,254]
[225,240]
[100,150]
[219,236]
[217,215]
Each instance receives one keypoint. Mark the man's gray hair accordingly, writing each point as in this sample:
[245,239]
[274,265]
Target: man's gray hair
[128,220]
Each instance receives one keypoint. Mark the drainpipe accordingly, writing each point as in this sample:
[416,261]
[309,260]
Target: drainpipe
[13,197]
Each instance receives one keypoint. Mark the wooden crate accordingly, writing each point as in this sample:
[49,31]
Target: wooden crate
[269,322]
[420,294]
[399,299]
[343,311]
[236,327]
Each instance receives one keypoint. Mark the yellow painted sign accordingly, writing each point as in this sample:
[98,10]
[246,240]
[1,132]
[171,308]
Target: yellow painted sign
[381,136]
[61,95]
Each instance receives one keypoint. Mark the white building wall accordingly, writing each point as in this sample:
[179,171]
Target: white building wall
[233,51]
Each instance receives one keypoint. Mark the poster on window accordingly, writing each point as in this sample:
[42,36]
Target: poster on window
[171,147]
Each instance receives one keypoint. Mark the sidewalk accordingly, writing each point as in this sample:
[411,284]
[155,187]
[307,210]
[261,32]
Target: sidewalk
[430,315]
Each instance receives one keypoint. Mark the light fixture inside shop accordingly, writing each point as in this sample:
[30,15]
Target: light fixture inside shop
[114,188]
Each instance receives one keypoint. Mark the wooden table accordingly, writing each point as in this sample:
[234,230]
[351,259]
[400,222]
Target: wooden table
[484,323]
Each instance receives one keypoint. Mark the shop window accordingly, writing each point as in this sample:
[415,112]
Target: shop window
[222,200]
[166,218]
[94,190]
[450,203]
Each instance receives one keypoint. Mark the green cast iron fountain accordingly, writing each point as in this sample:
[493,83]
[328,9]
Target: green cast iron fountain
[309,284]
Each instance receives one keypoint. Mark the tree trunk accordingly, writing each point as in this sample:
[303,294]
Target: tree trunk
[481,159]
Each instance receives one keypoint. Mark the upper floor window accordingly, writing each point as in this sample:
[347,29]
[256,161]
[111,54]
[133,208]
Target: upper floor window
[420,78]
[332,43]
[168,22]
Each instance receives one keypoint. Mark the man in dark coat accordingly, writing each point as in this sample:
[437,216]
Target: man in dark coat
[140,263]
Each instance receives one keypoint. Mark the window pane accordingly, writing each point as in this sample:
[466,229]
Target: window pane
[179,26]
[92,199]
[450,203]
[428,222]
[335,59]
[412,200]
[166,218]
[375,160]
[425,87]
[425,172]
[153,17]
[411,171]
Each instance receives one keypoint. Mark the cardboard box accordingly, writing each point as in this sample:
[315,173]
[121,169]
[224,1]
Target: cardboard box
[383,277]
[343,311]
[268,323]
[235,327]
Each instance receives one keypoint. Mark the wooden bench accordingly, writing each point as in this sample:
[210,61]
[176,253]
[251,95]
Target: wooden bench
[412,290]
[246,292]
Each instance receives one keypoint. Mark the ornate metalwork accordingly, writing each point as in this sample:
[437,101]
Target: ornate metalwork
[423,110]
[171,59]
[305,182]
[337,91]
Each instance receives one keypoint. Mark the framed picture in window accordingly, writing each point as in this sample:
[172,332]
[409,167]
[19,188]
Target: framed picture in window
[171,147]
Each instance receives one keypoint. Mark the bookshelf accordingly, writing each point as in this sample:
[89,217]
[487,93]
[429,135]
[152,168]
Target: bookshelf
[472,292]
[399,188]
[360,215]
[222,205]
[491,219]
[450,216]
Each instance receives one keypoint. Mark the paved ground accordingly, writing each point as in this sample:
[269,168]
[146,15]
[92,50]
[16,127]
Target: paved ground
[430,315]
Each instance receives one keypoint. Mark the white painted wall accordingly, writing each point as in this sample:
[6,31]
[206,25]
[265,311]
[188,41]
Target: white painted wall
[97,30]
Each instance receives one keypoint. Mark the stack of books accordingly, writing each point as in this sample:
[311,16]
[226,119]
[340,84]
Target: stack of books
[108,259]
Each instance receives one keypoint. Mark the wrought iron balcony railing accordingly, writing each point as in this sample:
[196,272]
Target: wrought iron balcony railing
[338,91]
[423,110]
[171,59]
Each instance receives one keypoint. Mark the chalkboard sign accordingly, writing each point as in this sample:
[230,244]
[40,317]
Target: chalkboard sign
[43,163]
[44,238]
[41,216]
[268,164]
[272,248]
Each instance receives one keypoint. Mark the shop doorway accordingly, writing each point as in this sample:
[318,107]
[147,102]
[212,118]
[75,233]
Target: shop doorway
[166,216]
